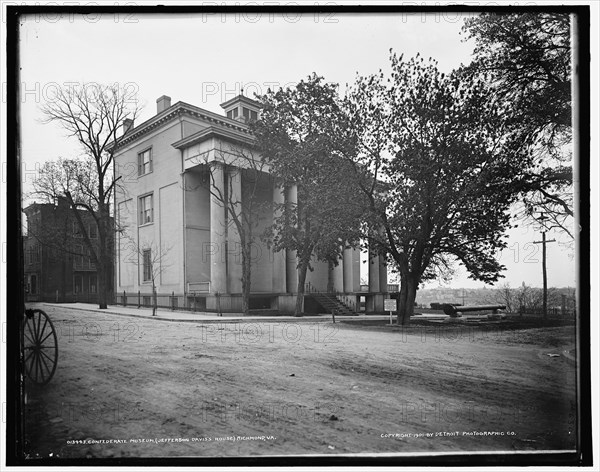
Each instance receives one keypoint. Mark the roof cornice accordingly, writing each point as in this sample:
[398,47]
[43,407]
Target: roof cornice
[214,131]
[241,98]
[175,111]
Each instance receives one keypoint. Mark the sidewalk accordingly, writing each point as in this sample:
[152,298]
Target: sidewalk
[200,317]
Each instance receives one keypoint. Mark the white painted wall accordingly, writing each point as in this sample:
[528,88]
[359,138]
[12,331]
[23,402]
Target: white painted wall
[197,222]
[165,233]
[181,226]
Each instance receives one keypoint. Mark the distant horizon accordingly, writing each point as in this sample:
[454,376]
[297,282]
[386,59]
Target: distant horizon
[494,287]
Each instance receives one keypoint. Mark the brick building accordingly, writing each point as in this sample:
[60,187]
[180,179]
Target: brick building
[57,264]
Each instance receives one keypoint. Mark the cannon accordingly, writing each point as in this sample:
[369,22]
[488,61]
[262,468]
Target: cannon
[453,311]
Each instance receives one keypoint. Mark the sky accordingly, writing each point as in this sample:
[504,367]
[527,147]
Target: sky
[205,60]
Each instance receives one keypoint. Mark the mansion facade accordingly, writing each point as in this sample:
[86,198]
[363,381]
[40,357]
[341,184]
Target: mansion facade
[175,171]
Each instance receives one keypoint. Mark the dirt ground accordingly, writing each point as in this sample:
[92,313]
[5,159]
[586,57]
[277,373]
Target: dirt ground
[153,388]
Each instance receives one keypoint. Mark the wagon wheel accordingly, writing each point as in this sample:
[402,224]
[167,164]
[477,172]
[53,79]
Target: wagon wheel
[40,346]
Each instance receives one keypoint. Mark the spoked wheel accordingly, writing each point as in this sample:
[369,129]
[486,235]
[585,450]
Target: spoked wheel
[40,346]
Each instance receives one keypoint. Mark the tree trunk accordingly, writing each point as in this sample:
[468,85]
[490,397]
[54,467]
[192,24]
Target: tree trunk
[218,297]
[103,274]
[401,302]
[102,285]
[104,256]
[330,269]
[154,299]
[246,280]
[301,280]
[406,302]
[411,294]
[63,285]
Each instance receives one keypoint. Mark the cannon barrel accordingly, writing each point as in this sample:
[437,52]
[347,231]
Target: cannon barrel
[453,311]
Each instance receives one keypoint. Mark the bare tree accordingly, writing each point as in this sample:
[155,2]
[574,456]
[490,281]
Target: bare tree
[504,295]
[530,299]
[92,114]
[153,259]
[244,210]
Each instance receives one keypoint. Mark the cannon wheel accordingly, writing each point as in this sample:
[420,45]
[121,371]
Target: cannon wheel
[40,346]
[450,310]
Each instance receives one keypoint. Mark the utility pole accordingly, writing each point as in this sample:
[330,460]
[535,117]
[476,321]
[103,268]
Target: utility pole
[544,272]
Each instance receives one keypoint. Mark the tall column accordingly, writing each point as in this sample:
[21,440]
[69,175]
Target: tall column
[279,268]
[373,301]
[373,271]
[291,259]
[348,272]
[382,274]
[338,276]
[218,270]
[356,269]
[234,247]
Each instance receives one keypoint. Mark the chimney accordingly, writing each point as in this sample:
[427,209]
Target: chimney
[127,125]
[162,104]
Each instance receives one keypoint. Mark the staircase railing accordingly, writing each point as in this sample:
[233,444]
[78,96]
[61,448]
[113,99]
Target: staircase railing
[339,297]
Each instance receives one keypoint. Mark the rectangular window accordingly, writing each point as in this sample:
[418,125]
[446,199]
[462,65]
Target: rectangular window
[76,232]
[249,115]
[38,253]
[147,256]
[78,257]
[93,283]
[33,284]
[88,258]
[233,114]
[77,283]
[93,231]
[146,209]
[145,162]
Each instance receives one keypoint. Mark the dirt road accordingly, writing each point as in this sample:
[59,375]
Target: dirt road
[140,387]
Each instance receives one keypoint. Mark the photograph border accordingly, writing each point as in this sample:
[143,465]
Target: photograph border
[15,286]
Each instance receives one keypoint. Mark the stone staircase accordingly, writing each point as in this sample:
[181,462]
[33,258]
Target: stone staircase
[330,302]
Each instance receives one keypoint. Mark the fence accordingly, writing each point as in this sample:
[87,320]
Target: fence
[391,288]
[171,301]
[86,297]
[553,312]
[68,297]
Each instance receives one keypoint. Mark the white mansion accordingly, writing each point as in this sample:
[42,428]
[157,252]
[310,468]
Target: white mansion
[175,231]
